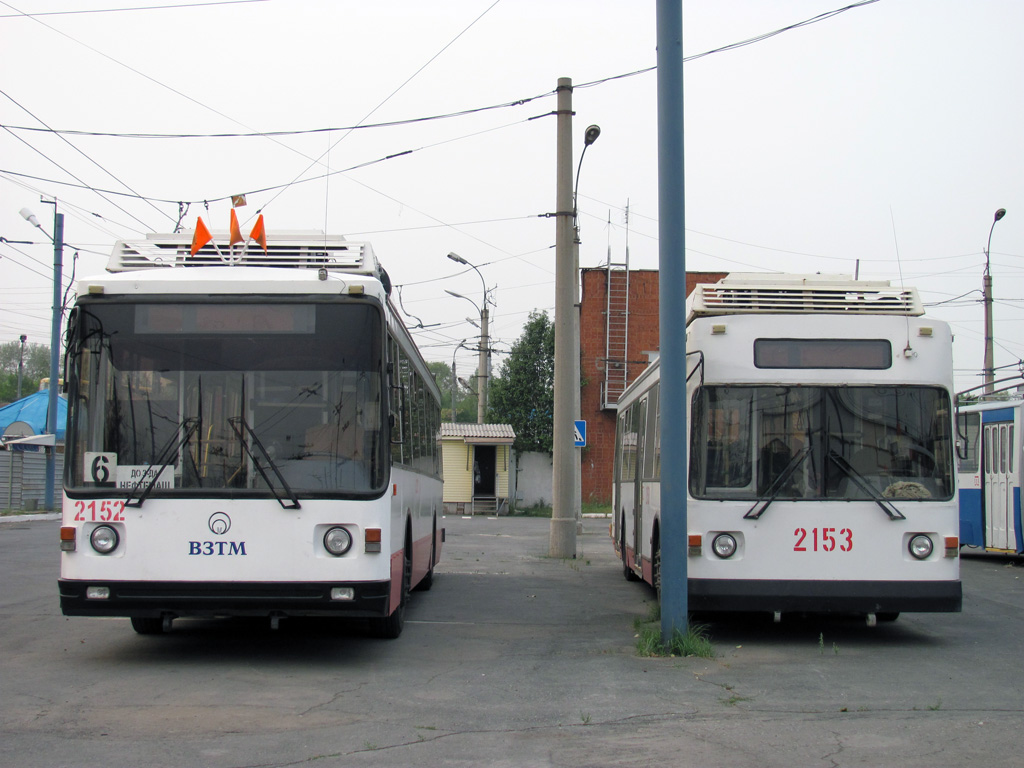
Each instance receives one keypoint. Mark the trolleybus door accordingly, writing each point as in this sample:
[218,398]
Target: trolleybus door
[639,430]
[998,486]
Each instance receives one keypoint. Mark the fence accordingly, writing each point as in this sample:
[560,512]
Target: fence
[23,479]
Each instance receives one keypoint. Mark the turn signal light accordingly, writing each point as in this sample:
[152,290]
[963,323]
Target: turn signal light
[372,540]
[952,546]
[694,540]
[67,539]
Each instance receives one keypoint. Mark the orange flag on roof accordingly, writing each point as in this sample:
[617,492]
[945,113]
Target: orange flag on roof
[236,233]
[201,237]
[259,233]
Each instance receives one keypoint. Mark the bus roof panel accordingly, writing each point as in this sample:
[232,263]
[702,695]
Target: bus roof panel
[296,250]
[801,294]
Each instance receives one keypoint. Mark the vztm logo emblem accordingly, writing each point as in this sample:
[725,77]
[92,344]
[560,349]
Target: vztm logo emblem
[220,523]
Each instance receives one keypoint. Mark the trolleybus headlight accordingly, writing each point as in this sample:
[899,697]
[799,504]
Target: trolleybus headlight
[104,539]
[724,545]
[920,546]
[337,541]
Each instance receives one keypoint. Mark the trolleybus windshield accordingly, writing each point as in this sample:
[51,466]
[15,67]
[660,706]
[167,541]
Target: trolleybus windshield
[305,381]
[877,442]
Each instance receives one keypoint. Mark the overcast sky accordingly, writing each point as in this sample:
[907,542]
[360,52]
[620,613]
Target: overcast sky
[888,134]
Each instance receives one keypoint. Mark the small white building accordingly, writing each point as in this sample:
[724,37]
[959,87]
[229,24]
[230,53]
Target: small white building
[477,464]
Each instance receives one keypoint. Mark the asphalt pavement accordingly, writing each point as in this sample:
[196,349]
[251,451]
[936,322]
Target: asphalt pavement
[513,658]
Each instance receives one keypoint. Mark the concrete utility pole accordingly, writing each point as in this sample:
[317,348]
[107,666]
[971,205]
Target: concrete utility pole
[986,285]
[672,319]
[563,484]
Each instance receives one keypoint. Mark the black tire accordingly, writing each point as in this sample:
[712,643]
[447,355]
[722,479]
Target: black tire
[626,570]
[428,581]
[390,627]
[148,625]
[888,616]
[656,566]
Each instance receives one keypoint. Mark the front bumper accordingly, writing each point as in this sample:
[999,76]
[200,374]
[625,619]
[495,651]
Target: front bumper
[219,599]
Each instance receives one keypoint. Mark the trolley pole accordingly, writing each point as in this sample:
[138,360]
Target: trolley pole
[563,508]
[672,319]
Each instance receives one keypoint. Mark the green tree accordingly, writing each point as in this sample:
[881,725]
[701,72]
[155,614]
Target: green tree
[523,394]
[36,366]
[465,399]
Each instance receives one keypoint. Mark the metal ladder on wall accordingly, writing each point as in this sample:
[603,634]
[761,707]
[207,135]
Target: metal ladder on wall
[616,333]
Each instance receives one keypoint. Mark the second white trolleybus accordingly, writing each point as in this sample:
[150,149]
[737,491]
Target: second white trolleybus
[821,470]
[250,433]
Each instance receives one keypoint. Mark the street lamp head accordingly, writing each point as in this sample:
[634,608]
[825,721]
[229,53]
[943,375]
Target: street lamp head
[1000,213]
[453,293]
[30,217]
[455,257]
[592,132]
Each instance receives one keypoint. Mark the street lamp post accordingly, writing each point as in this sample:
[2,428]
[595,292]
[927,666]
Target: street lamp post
[455,385]
[21,363]
[987,292]
[482,362]
[589,137]
[51,410]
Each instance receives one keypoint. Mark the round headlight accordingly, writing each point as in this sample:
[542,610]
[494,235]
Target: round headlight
[920,546]
[104,539]
[724,545]
[337,541]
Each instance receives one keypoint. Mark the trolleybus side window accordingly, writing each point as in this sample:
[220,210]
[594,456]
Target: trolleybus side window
[652,456]
[627,446]
[968,433]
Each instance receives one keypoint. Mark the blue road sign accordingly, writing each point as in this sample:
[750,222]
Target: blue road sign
[580,434]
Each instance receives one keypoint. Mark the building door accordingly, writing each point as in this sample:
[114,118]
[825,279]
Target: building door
[485,471]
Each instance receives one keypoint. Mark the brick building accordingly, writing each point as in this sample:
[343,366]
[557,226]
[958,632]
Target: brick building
[618,332]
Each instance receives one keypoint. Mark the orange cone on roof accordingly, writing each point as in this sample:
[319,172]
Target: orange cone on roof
[201,237]
[236,233]
[259,233]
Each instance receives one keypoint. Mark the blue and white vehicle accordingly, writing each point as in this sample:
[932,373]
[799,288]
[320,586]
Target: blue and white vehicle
[250,433]
[989,450]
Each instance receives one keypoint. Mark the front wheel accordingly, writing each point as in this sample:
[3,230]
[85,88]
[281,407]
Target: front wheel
[148,625]
[390,627]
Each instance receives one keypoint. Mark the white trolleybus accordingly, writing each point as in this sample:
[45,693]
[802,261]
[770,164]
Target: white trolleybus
[989,438]
[821,475]
[250,433]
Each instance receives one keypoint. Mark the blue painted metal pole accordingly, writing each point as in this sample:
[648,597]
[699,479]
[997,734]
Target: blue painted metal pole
[672,318]
[58,311]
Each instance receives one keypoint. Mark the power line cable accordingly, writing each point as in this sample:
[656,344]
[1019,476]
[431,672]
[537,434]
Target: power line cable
[296,132]
[385,100]
[121,10]
[83,154]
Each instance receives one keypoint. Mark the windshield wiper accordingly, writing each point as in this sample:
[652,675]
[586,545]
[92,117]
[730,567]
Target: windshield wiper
[178,439]
[234,421]
[862,482]
[775,489]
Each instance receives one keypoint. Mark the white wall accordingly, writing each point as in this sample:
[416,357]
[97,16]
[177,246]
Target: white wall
[533,480]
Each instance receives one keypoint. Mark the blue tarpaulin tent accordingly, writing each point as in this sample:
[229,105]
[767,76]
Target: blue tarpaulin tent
[32,410]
